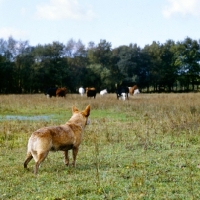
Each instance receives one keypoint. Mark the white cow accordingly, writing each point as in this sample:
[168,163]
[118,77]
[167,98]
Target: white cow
[81,91]
[123,96]
[136,92]
[102,92]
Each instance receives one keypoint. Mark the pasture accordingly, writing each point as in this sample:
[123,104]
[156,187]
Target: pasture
[146,147]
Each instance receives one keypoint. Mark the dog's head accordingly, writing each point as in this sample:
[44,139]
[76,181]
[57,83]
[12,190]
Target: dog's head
[84,113]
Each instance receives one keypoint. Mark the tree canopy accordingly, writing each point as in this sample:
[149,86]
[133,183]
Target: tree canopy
[172,66]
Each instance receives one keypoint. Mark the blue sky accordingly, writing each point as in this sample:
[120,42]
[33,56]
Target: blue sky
[118,22]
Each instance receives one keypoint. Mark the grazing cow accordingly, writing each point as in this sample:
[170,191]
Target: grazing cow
[132,89]
[51,92]
[91,93]
[81,91]
[61,92]
[122,92]
[136,92]
[102,92]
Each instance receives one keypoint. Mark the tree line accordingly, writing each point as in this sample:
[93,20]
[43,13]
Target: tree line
[171,67]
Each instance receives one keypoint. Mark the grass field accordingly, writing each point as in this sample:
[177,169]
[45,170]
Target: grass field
[144,148]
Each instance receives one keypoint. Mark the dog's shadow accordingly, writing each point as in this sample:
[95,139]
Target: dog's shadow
[62,169]
[80,167]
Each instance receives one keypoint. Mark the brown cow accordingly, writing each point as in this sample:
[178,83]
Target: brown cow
[61,92]
[131,89]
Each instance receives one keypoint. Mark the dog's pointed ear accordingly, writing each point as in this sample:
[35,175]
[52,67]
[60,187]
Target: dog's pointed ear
[74,109]
[86,112]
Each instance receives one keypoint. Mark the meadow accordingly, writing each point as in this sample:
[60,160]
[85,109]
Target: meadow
[146,147]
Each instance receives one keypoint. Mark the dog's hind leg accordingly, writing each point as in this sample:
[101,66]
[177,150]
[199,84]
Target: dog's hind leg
[28,159]
[74,152]
[66,156]
[41,158]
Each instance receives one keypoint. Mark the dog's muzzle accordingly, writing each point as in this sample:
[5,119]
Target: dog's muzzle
[88,121]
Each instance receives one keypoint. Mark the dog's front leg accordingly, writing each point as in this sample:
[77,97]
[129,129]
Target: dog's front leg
[74,152]
[66,158]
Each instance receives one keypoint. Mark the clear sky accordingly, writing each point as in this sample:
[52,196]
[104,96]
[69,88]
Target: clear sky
[118,22]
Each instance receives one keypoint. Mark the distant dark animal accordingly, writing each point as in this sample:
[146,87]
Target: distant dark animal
[122,92]
[132,89]
[51,92]
[61,92]
[91,93]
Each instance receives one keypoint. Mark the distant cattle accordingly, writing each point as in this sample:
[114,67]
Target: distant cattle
[51,92]
[132,89]
[103,92]
[81,91]
[55,91]
[136,92]
[91,92]
[122,92]
[61,92]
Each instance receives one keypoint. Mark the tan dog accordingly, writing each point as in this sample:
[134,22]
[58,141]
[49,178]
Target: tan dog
[58,138]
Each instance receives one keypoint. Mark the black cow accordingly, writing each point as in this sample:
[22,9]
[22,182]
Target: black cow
[91,93]
[51,92]
[122,92]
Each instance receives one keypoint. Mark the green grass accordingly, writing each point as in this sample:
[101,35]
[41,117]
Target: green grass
[144,148]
